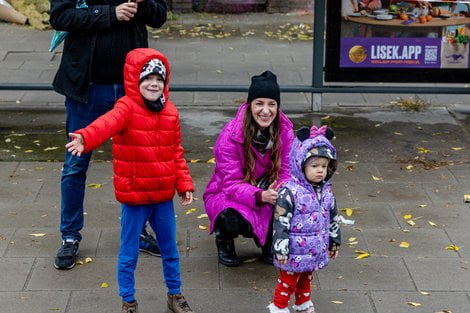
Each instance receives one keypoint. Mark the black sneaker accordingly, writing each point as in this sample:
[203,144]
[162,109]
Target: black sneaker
[66,255]
[148,244]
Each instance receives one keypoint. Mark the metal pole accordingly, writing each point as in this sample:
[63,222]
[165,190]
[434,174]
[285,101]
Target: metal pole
[318,53]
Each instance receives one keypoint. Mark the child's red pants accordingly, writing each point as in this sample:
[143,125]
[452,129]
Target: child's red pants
[292,283]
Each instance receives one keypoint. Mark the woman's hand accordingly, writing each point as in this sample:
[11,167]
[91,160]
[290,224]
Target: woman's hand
[186,198]
[270,194]
[75,146]
[333,253]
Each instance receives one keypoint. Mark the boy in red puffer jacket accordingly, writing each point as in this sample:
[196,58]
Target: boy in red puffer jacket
[148,166]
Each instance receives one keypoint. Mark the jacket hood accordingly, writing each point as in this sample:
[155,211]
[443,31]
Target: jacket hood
[135,61]
[301,150]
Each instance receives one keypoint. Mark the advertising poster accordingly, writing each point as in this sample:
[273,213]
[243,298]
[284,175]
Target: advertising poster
[404,34]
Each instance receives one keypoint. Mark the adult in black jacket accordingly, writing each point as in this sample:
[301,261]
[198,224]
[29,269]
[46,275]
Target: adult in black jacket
[90,76]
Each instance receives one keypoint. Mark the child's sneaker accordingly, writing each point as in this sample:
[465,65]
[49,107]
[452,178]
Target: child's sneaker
[66,255]
[129,307]
[306,307]
[178,304]
[274,309]
[148,244]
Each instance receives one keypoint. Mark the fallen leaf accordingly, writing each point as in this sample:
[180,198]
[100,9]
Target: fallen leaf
[203,227]
[194,161]
[404,244]
[362,256]
[376,178]
[351,239]
[432,224]
[414,303]
[398,134]
[51,148]
[88,260]
[458,148]
[409,167]
[351,162]
[80,262]
[453,247]
[104,285]
[192,210]
[38,235]
[422,205]
[204,215]
[250,260]
[337,302]
[325,117]
[466,198]
[349,211]
[424,293]
[411,223]
[422,150]
[407,216]
[94,186]
[444,311]
[28,151]
[211,161]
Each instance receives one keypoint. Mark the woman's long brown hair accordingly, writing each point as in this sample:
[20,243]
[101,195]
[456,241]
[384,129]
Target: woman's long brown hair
[250,128]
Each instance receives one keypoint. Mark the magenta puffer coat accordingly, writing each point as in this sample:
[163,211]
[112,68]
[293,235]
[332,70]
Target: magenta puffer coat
[226,188]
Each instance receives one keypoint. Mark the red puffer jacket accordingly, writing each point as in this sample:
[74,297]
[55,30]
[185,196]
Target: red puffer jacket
[149,160]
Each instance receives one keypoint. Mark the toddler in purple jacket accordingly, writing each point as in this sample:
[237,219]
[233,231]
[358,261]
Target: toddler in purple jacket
[306,230]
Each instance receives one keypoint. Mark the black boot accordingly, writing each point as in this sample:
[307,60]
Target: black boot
[226,252]
[267,254]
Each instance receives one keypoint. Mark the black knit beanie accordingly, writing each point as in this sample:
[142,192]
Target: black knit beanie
[264,86]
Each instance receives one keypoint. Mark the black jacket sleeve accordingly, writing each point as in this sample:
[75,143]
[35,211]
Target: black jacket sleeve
[335,231]
[65,16]
[283,212]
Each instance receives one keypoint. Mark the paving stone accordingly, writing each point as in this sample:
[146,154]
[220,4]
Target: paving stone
[373,273]
[354,172]
[426,243]
[392,172]
[440,274]
[26,245]
[461,172]
[387,192]
[26,193]
[459,237]
[36,214]
[8,168]
[255,274]
[351,301]
[386,302]
[454,192]
[373,216]
[444,216]
[14,273]
[5,239]
[87,276]
[33,302]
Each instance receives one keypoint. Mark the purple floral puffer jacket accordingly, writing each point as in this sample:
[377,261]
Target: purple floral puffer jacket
[302,219]
[226,188]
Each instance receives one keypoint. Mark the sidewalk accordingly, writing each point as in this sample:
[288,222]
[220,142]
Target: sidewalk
[382,177]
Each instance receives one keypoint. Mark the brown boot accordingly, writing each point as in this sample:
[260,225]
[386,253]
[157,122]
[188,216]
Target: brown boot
[178,304]
[129,307]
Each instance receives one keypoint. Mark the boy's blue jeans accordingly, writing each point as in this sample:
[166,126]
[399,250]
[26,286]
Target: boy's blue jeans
[101,99]
[161,217]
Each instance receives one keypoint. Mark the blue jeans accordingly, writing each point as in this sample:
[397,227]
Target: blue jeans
[162,219]
[101,99]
